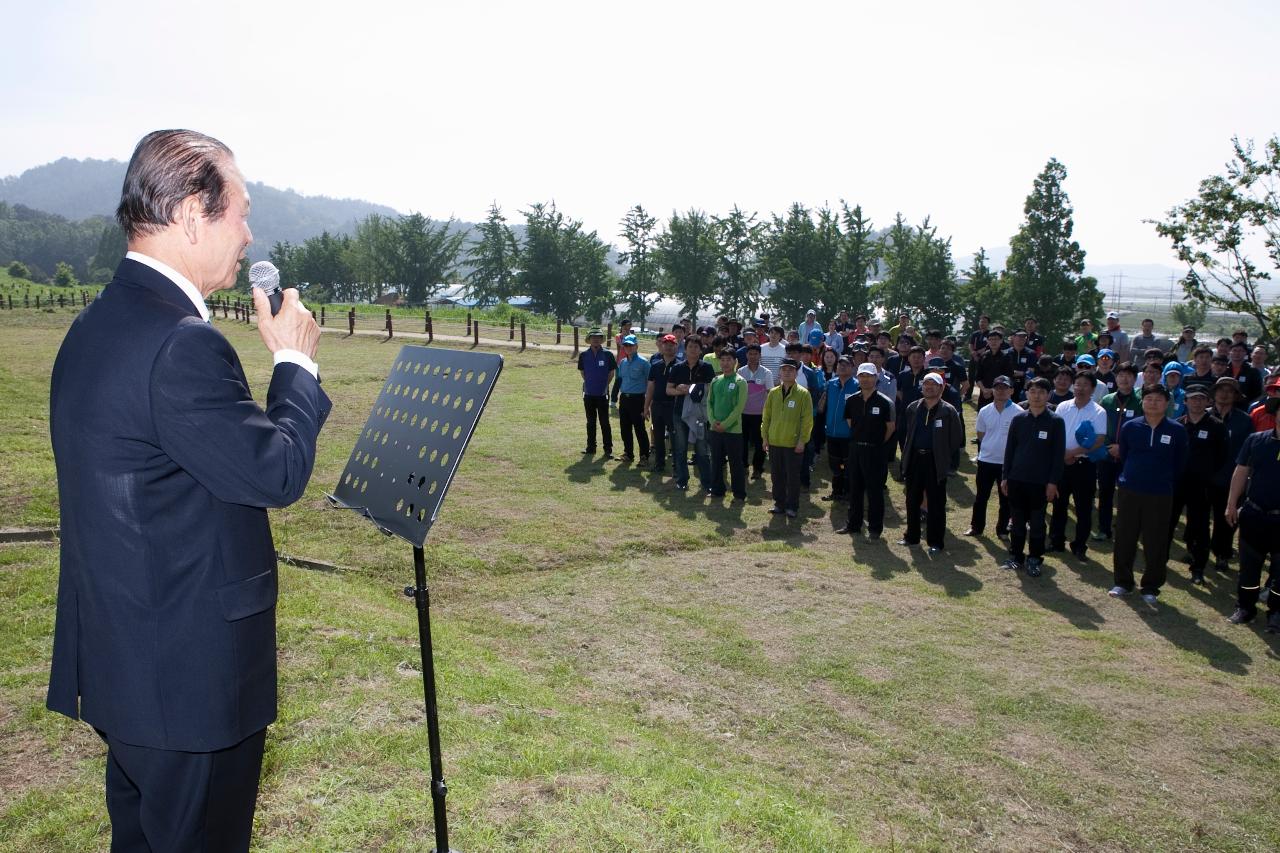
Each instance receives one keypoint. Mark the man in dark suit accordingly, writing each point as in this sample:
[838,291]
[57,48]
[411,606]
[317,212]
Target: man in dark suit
[165,633]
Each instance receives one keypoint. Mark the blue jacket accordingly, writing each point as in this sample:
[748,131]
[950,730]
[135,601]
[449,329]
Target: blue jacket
[1152,459]
[837,426]
[165,632]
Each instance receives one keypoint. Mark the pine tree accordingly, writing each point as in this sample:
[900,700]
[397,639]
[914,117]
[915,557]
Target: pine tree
[493,258]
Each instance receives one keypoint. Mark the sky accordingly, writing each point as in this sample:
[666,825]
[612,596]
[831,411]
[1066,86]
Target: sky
[944,110]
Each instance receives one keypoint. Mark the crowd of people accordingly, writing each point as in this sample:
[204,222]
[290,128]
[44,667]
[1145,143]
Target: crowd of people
[1133,432]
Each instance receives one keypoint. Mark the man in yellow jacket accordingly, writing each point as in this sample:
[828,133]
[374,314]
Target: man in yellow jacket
[785,428]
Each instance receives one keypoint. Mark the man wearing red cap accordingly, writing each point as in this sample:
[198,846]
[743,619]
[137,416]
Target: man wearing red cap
[1263,414]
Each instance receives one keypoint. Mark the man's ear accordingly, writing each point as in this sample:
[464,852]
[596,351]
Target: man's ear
[190,218]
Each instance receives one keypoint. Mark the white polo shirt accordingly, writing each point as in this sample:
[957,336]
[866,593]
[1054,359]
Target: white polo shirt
[994,426]
[1074,415]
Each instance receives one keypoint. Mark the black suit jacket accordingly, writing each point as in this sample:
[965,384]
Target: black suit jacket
[165,631]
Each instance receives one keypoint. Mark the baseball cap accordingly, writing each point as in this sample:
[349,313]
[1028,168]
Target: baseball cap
[812,311]
[1087,359]
[867,369]
[629,340]
[669,339]
[1273,382]
[934,377]
[1197,391]
[1227,382]
[816,337]
[790,362]
[1108,353]
[1113,315]
[707,330]
[1003,380]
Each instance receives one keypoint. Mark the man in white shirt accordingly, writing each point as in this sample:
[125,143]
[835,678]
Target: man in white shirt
[992,428]
[810,324]
[773,352]
[1079,474]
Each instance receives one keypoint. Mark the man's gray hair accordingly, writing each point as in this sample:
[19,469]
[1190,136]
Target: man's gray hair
[166,167]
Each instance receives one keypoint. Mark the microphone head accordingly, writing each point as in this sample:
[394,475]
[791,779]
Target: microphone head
[264,276]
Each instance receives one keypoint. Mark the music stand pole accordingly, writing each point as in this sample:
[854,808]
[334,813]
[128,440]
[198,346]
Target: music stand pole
[422,598]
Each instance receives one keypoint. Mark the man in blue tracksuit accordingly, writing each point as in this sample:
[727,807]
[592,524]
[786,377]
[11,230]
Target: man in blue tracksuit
[837,428]
[1152,455]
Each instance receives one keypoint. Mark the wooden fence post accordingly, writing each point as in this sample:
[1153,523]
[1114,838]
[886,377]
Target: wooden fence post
[37,301]
[575,341]
[321,315]
[431,334]
[608,336]
[426,320]
[523,343]
[389,332]
[351,322]
[557,333]
[475,333]
[511,335]
[468,322]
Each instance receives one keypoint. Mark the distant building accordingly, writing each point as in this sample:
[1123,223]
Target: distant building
[455,295]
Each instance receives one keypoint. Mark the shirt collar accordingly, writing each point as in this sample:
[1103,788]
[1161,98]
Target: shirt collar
[184,284]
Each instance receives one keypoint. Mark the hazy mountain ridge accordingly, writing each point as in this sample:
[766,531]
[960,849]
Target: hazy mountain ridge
[79,189]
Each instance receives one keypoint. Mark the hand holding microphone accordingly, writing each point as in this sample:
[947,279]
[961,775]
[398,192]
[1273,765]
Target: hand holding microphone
[283,321]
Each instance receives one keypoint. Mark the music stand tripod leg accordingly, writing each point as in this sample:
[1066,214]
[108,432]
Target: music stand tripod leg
[422,598]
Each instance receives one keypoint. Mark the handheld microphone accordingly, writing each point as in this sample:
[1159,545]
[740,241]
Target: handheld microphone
[265,277]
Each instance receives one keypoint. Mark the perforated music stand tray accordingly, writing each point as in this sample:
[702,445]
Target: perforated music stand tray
[398,474]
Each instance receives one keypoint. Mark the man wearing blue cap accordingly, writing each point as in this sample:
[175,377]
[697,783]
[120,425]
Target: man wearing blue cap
[633,377]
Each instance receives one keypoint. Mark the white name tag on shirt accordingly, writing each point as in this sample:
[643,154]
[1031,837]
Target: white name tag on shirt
[937,424]
[1044,433]
[1164,439]
[600,363]
[1204,433]
[733,386]
[791,404]
[875,410]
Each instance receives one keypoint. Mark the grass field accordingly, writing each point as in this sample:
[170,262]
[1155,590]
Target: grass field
[626,667]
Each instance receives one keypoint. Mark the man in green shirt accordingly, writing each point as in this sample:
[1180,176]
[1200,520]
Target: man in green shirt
[725,402]
[1086,338]
[785,428]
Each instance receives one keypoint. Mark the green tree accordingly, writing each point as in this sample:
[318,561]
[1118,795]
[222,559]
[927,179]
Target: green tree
[427,255]
[564,269]
[859,257]
[64,275]
[739,235]
[1213,234]
[493,259]
[790,260]
[639,286]
[982,292]
[372,257]
[1043,272]
[920,277]
[18,269]
[690,255]
[111,248]
[1190,313]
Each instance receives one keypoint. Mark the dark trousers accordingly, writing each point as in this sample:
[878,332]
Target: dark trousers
[868,470]
[660,414]
[1259,543]
[988,478]
[597,409]
[631,418]
[1108,470]
[753,443]
[1193,494]
[838,459]
[1027,503]
[922,483]
[1144,517]
[1223,533]
[161,799]
[727,447]
[1079,482]
[616,389]
[784,471]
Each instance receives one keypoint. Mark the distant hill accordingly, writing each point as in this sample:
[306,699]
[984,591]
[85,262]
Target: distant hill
[79,189]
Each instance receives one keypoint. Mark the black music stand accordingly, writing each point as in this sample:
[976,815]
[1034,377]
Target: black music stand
[397,476]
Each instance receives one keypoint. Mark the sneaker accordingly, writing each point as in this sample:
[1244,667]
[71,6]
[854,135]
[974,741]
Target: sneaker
[1034,565]
[1244,617]
[829,498]
[627,457]
[1273,622]
[908,542]
[791,513]
[590,451]
[845,530]
[973,531]
[1197,578]
[1150,598]
[1054,548]
[1012,564]
[873,536]
[1119,592]
[1082,554]
[644,458]
[1099,536]
[776,509]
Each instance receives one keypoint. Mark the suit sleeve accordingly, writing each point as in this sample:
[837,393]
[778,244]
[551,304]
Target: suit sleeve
[208,422]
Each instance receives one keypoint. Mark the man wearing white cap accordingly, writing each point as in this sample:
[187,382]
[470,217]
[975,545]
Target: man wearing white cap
[810,324]
[933,430]
[870,417]
[1119,337]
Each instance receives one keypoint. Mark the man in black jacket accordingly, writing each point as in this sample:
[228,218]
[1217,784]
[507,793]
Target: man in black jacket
[1207,438]
[1237,426]
[1033,462]
[933,430]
